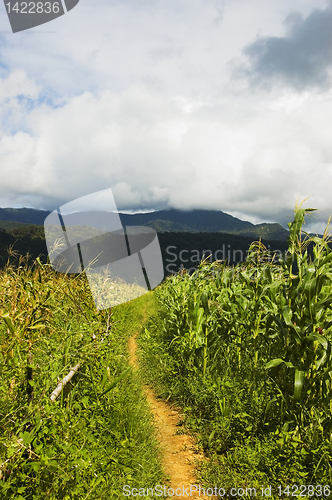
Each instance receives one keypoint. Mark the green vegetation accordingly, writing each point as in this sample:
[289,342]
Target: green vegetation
[195,221]
[9,225]
[31,239]
[27,215]
[246,352]
[27,240]
[265,231]
[97,436]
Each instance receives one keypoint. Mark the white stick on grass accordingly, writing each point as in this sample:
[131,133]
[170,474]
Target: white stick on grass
[63,382]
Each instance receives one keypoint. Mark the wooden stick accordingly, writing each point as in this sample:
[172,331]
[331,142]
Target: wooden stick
[63,382]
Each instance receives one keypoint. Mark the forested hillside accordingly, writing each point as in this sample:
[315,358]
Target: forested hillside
[178,249]
[172,220]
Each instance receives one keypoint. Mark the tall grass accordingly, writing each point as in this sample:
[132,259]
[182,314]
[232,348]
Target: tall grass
[97,436]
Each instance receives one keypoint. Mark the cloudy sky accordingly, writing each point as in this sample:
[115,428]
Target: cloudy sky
[214,104]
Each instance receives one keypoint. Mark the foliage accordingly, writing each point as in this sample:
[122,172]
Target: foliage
[96,437]
[246,351]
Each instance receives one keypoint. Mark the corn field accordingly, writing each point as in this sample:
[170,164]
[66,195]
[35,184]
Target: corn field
[256,338]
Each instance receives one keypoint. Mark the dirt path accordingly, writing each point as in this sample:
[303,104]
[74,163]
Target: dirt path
[179,451]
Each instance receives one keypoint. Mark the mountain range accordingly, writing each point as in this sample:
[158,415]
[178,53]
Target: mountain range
[164,221]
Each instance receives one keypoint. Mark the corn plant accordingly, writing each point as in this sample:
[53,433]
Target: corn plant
[266,325]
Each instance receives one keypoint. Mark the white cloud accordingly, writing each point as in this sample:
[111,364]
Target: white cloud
[137,96]
[181,44]
[17,84]
[153,153]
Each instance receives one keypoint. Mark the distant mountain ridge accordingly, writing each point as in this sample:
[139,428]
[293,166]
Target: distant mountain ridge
[172,220]
[204,221]
[25,215]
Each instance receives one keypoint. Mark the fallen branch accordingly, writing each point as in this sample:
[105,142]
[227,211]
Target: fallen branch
[63,382]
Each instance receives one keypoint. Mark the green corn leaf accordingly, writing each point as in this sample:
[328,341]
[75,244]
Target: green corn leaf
[287,315]
[319,241]
[117,380]
[9,323]
[319,338]
[320,283]
[199,317]
[327,325]
[326,345]
[277,362]
[244,276]
[323,303]
[279,323]
[296,224]
[205,302]
[39,262]
[298,384]
[272,288]
[325,260]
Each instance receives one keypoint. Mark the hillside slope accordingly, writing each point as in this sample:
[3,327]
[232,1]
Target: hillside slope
[194,221]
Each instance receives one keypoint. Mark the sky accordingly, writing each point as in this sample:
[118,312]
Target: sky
[207,104]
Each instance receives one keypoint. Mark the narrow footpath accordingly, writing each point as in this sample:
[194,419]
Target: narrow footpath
[179,450]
